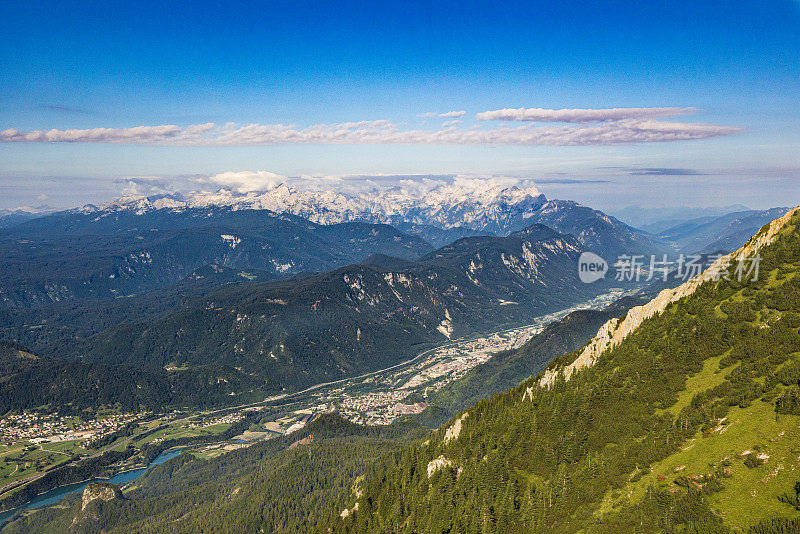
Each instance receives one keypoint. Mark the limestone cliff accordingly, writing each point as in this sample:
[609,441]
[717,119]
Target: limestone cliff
[94,495]
[614,331]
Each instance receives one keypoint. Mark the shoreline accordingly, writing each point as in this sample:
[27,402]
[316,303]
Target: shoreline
[23,506]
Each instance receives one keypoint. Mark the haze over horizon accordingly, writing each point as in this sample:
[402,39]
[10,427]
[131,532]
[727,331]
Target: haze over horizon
[649,104]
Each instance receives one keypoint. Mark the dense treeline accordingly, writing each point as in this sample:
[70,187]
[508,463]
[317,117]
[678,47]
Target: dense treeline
[72,255]
[296,483]
[28,382]
[545,463]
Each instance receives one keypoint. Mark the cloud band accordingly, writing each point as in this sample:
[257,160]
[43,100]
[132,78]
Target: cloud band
[382,132]
[581,115]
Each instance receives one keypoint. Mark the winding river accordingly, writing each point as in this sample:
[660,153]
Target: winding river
[56,494]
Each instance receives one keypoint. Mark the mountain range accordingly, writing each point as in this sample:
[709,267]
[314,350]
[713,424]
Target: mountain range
[657,219]
[727,232]
[79,255]
[297,332]
[238,284]
[678,415]
[455,210]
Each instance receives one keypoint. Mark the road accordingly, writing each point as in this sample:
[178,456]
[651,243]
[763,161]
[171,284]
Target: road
[287,396]
[100,452]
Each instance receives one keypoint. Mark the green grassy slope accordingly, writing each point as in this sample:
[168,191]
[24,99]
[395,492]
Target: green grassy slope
[690,425]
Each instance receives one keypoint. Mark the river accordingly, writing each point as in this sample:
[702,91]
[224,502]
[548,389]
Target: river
[56,494]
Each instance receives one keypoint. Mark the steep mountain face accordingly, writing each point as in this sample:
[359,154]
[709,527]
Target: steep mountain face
[508,368]
[318,328]
[727,232]
[74,255]
[596,230]
[684,419]
[28,382]
[440,215]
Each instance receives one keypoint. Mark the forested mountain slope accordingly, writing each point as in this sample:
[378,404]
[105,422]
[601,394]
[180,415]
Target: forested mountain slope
[296,483]
[690,422]
[29,382]
[319,328]
[100,255]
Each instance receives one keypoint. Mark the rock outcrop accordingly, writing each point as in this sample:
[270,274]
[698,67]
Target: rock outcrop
[437,464]
[614,331]
[94,496]
[99,490]
[454,431]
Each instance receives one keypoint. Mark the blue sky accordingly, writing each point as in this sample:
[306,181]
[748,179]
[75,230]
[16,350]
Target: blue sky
[301,64]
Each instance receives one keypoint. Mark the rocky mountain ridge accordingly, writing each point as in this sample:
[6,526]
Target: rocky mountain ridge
[615,330]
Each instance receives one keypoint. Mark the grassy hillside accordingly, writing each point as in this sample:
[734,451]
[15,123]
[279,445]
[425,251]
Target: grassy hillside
[690,424]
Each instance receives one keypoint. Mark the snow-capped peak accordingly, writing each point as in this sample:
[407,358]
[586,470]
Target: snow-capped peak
[462,203]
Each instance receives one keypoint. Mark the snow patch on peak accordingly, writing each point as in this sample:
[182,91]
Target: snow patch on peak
[471,202]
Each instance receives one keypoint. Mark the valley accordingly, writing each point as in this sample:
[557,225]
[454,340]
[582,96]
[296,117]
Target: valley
[376,398]
[44,449]
[400,267]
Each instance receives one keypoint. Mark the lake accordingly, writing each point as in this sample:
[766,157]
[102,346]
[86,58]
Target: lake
[56,494]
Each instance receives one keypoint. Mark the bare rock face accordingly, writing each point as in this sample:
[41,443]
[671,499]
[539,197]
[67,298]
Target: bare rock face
[454,431]
[94,495]
[99,490]
[437,464]
[614,331]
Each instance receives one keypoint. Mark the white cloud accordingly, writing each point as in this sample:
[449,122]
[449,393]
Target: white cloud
[247,181]
[143,185]
[581,115]
[137,134]
[446,115]
[608,131]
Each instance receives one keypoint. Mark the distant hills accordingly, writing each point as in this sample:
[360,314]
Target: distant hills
[727,232]
[655,220]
